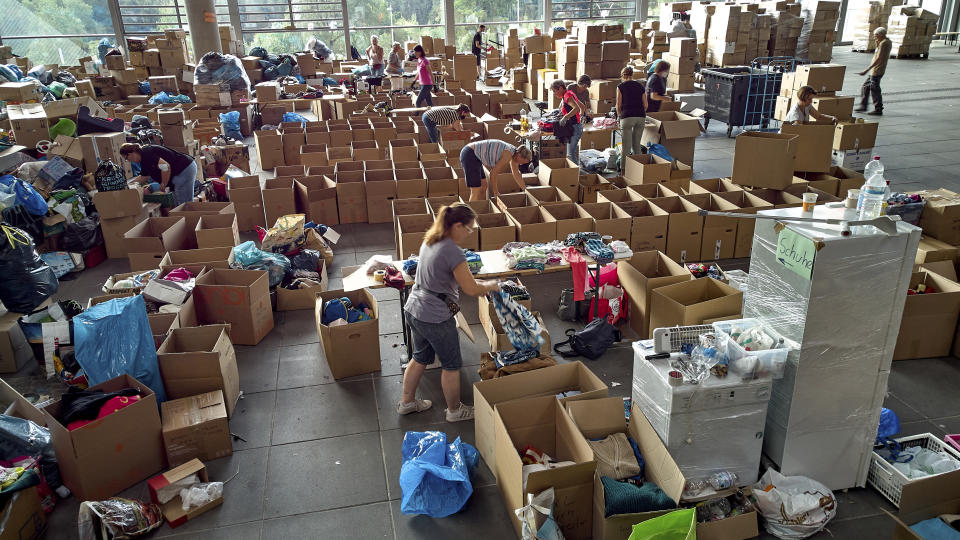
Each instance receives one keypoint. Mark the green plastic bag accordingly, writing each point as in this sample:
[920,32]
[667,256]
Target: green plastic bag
[678,525]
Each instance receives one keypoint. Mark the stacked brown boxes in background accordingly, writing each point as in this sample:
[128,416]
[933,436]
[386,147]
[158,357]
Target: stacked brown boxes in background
[785,31]
[722,44]
[911,30]
[614,55]
[590,53]
[682,59]
[866,16]
[819,24]
[229,41]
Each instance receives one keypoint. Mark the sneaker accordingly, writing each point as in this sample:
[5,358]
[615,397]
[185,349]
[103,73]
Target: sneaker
[417,405]
[875,113]
[465,412]
[860,109]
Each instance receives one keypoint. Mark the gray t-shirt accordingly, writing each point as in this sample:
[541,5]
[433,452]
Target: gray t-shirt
[655,85]
[435,273]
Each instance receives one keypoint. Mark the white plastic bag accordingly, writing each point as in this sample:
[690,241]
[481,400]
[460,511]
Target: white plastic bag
[796,507]
[537,518]
[200,494]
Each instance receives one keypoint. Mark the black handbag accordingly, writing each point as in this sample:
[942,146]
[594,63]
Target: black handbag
[591,342]
[87,123]
[109,177]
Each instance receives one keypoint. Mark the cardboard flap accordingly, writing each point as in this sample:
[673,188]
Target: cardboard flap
[931,491]
[681,127]
[597,418]
[659,466]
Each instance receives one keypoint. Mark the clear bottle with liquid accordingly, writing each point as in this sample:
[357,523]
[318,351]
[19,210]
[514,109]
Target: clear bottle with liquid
[872,193]
[872,168]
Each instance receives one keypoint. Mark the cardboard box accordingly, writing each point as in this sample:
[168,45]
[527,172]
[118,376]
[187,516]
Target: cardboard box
[352,349]
[855,160]
[542,423]
[558,172]
[238,297]
[495,231]
[746,203]
[548,381]
[219,230]
[295,299]
[644,169]
[411,230]
[691,302]
[316,197]
[675,130]
[149,240]
[545,196]
[196,427]
[278,199]
[534,224]
[29,123]
[101,459]
[570,218]
[269,149]
[764,159]
[929,320]
[650,224]
[607,221]
[15,352]
[351,199]
[822,77]
[22,516]
[941,215]
[639,276]
[219,257]
[161,324]
[813,146]
[192,211]
[197,360]
[599,418]
[684,229]
[120,203]
[173,509]
[245,193]
[857,135]
[498,340]
[840,107]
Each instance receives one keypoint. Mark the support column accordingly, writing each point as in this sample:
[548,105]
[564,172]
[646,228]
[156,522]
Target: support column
[642,10]
[117,21]
[547,16]
[843,19]
[449,23]
[346,29]
[234,8]
[202,18]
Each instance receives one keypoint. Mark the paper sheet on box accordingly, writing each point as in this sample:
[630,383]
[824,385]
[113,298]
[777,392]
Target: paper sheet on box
[53,332]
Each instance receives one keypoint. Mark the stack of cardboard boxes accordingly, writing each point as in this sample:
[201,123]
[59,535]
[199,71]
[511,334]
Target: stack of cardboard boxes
[614,56]
[229,41]
[865,17]
[682,60]
[911,30]
[512,55]
[785,32]
[726,42]
[590,53]
[818,34]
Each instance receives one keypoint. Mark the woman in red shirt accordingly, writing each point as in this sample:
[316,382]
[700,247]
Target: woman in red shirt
[571,109]
[424,77]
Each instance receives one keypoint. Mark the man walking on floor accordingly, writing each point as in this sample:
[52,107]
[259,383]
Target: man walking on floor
[871,87]
[477,46]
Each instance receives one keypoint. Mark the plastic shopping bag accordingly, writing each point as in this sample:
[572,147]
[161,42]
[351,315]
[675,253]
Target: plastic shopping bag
[26,280]
[117,518]
[247,257]
[435,476]
[678,525]
[536,518]
[113,338]
[793,506]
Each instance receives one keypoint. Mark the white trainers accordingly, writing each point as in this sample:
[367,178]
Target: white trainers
[417,405]
[465,412]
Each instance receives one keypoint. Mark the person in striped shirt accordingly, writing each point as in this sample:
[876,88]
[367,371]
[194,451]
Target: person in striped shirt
[495,155]
[443,116]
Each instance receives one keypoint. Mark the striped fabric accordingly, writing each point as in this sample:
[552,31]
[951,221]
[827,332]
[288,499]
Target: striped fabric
[490,151]
[443,116]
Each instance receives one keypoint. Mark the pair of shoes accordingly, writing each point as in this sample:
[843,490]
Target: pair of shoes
[860,109]
[465,412]
[417,405]
[875,113]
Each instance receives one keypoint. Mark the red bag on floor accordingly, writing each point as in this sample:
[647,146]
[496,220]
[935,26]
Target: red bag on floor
[600,307]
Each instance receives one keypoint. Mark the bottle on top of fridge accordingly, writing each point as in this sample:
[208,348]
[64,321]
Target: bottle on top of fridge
[872,168]
[872,194]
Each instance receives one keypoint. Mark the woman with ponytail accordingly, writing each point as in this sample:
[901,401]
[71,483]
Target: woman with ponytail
[442,272]
[164,166]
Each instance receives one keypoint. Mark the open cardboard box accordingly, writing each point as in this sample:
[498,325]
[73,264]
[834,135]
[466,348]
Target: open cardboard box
[639,276]
[925,498]
[354,348]
[558,172]
[608,220]
[316,197]
[643,169]
[712,185]
[684,228]
[196,427]
[929,320]
[649,226]
[495,231]
[218,230]
[719,233]
[150,239]
[619,195]
[590,185]
[294,299]
[543,423]
[214,257]
[746,203]
[534,224]
[173,510]
[691,302]
[198,360]
[499,341]
[411,230]
[653,191]
[598,418]
[570,218]
[506,201]
[238,297]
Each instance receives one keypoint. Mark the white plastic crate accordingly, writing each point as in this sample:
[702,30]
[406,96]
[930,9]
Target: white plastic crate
[889,481]
[770,362]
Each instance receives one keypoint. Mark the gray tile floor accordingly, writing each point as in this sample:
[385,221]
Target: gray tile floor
[321,457]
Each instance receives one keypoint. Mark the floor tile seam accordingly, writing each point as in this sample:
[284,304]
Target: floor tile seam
[911,407]
[318,384]
[939,418]
[386,501]
[240,521]
[275,445]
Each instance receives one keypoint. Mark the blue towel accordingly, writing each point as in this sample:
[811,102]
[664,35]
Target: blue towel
[625,498]
[935,529]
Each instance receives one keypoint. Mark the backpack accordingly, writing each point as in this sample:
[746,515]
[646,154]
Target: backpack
[591,342]
[109,177]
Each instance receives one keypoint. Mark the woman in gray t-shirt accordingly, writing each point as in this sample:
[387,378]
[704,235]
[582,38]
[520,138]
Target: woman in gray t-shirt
[441,272]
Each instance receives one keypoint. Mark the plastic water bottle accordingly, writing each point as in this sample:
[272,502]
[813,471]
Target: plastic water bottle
[886,198]
[873,195]
[723,480]
[872,168]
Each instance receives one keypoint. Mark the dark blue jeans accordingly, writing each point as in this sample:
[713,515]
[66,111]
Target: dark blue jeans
[431,126]
[424,95]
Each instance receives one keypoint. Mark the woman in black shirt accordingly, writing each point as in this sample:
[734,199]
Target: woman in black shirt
[163,165]
[632,111]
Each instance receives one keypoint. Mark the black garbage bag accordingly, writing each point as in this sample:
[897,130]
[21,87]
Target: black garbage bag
[83,235]
[71,180]
[287,56]
[258,52]
[66,78]
[19,437]
[271,73]
[19,217]
[25,280]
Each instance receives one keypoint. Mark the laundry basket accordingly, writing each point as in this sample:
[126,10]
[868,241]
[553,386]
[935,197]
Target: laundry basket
[889,481]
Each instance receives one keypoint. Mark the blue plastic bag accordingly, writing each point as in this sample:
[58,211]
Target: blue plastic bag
[659,150]
[161,97]
[249,257]
[231,124]
[113,338]
[294,117]
[26,195]
[435,476]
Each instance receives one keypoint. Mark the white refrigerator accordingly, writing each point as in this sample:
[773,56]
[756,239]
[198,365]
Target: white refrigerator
[840,297]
